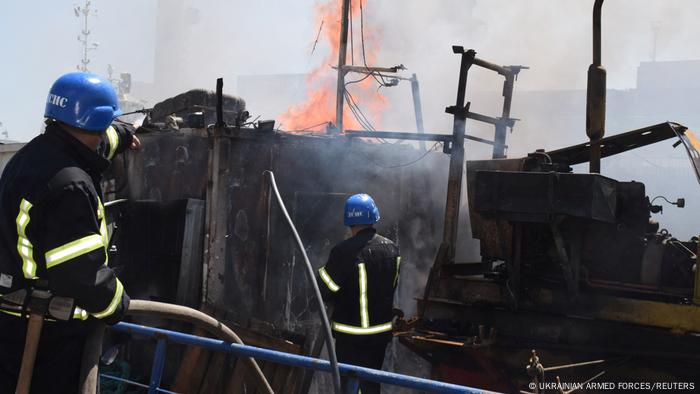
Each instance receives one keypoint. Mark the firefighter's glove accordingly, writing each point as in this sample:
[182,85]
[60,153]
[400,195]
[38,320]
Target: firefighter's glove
[126,135]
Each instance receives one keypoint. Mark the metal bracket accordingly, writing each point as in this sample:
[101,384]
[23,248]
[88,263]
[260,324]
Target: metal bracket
[459,112]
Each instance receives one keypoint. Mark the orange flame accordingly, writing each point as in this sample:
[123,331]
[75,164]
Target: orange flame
[319,106]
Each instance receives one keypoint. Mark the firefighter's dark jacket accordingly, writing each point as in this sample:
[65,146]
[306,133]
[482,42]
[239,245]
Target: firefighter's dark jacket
[359,279]
[52,221]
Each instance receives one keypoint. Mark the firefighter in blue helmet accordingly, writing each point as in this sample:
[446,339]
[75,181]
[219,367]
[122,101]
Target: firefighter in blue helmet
[53,234]
[360,278]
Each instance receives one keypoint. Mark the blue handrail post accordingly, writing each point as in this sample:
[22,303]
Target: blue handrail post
[158,366]
[352,386]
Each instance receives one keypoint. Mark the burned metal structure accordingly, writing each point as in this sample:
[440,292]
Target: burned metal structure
[572,268]
[571,264]
[198,225]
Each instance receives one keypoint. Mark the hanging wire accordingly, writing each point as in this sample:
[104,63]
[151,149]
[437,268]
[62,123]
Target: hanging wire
[318,35]
[316,125]
[357,111]
[421,157]
[357,80]
[364,57]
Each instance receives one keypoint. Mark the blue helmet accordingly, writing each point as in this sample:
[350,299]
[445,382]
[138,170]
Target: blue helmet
[360,209]
[83,100]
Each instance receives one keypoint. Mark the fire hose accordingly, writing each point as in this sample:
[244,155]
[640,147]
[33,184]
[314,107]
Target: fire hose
[317,291]
[93,346]
[41,305]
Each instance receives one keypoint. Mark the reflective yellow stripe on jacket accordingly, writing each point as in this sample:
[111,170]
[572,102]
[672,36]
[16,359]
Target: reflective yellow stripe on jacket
[24,247]
[365,328]
[364,310]
[398,269]
[113,141]
[103,227]
[332,286]
[73,249]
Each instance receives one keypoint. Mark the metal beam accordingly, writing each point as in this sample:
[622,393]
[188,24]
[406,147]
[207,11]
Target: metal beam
[398,135]
[370,69]
[342,54]
[417,107]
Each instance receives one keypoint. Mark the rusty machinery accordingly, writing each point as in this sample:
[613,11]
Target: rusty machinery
[571,263]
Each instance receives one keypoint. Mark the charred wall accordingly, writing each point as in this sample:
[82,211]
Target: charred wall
[254,267]
[251,266]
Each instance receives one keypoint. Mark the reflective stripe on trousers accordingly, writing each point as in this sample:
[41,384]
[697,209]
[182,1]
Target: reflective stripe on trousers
[353,330]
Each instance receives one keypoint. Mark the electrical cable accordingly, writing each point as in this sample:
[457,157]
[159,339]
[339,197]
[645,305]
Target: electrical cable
[358,117]
[351,102]
[318,35]
[357,112]
[663,198]
[312,278]
[316,125]
[364,57]
[358,80]
[354,111]
[432,148]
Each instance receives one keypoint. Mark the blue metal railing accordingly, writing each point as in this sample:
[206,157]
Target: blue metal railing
[352,372]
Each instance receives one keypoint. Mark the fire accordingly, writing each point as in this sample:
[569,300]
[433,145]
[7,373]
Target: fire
[319,107]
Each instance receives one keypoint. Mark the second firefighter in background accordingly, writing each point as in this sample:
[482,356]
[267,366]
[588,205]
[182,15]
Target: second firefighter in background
[360,278]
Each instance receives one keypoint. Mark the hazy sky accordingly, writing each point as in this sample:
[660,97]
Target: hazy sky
[229,38]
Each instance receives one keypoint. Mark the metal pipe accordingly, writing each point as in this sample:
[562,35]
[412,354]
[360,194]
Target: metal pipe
[456,171]
[597,16]
[595,100]
[220,102]
[297,360]
[342,54]
[499,148]
[492,66]
[573,365]
[696,292]
[398,135]
[417,108]
[312,279]
[369,69]
[447,249]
